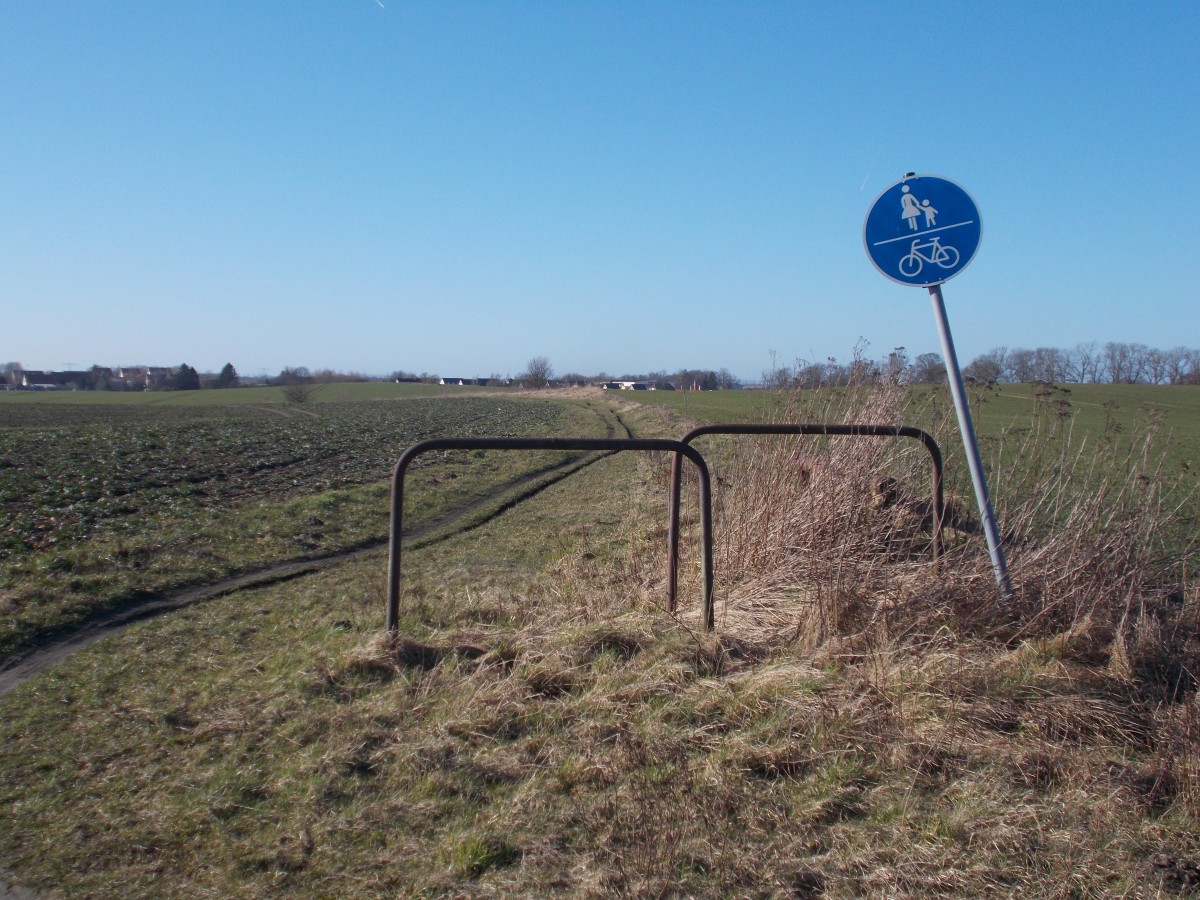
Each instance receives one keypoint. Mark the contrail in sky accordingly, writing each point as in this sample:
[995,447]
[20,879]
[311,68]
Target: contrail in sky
[380,2]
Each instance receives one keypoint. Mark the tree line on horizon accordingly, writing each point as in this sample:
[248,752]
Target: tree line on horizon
[183,377]
[1086,363]
[1110,363]
[129,378]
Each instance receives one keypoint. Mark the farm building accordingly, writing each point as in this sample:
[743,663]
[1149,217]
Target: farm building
[637,386]
[49,381]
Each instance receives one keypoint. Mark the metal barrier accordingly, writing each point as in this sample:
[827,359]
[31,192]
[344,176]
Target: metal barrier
[846,430]
[678,448]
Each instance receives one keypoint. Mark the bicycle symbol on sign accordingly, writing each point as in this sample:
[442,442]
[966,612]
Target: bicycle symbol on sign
[911,265]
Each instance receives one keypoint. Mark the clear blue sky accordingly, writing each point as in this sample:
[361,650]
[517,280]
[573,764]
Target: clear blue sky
[456,188]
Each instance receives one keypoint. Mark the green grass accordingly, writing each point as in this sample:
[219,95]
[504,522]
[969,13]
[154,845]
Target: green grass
[322,393]
[105,503]
[1096,408]
[711,407]
[1101,432]
[540,726]
[1100,412]
[1157,424]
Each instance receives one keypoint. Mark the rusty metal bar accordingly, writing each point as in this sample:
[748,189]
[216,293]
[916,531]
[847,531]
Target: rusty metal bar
[677,448]
[931,445]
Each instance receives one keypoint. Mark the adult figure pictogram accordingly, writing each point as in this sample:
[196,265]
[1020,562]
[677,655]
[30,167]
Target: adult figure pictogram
[910,207]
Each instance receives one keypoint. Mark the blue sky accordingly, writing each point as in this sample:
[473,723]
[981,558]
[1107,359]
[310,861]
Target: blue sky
[373,185]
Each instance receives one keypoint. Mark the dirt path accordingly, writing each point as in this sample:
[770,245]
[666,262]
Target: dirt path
[16,671]
[11,891]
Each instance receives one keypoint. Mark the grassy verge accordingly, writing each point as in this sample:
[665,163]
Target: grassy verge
[1098,411]
[1030,435]
[863,724]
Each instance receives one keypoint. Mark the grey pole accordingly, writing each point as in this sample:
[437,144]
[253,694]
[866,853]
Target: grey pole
[970,445]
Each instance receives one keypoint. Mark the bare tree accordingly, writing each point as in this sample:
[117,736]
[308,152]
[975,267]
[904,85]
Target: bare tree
[990,366]
[1083,363]
[1049,364]
[297,384]
[1020,365]
[538,373]
[808,375]
[1157,365]
[928,368]
[1125,363]
[895,369]
[1177,360]
[1139,363]
[1192,368]
[774,377]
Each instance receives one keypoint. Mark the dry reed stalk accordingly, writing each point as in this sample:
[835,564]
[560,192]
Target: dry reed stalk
[818,536]
[828,539]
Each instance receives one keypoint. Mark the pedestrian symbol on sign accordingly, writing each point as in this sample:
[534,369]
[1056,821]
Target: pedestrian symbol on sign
[922,231]
[899,245]
[912,208]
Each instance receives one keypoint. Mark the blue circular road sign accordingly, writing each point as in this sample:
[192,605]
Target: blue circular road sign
[922,230]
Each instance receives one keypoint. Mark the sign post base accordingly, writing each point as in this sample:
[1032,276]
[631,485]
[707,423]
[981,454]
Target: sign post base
[970,444]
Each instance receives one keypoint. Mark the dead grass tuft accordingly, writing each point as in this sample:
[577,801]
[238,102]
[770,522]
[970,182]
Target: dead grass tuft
[620,644]
[399,653]
[834,546]
[1082,719]
[862,723]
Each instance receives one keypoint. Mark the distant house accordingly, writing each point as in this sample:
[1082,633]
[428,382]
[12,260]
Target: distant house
[158,377]
[142,378]
[130,378]
[482,382]
[52,381]
[637,386]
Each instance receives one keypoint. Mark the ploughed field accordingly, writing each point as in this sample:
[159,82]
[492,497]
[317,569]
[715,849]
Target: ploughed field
[101,502]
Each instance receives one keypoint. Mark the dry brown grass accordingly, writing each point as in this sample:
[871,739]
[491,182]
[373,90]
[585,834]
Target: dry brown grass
[863,723]
[834,544]
[870,723]
[1080,689]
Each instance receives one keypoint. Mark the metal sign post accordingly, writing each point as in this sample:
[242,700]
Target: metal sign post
[970,444]
[922,231]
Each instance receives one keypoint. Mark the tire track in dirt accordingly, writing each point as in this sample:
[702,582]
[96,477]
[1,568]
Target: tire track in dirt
[10,890]
[59,645]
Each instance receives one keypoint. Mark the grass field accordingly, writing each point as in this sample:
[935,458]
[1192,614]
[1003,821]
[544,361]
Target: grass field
[337,392]
[864,723]
[1159,422]
[105,500]
[1097,409]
